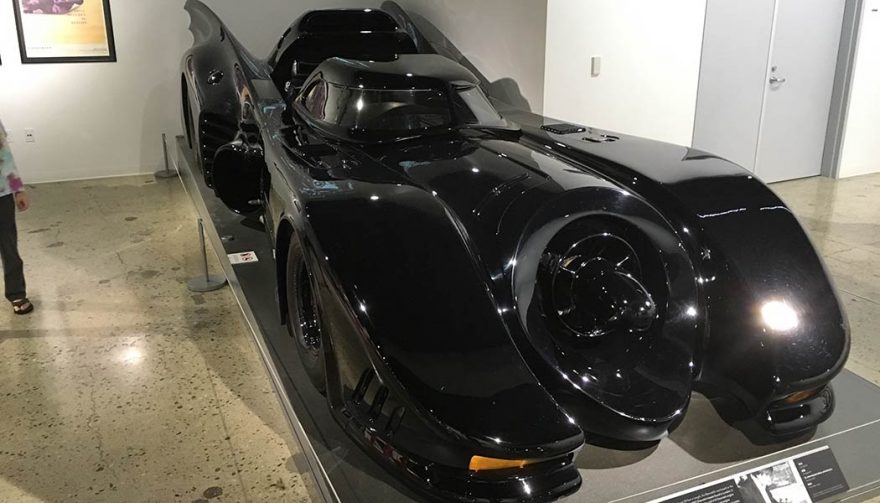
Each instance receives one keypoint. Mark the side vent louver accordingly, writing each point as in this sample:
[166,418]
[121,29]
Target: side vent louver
[600,138]
[215,131]
[563,128]
[363,385]
[395,420]
[374,404]
[378,402]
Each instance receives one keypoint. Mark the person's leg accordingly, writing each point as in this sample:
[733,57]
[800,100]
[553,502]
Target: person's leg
[13,267]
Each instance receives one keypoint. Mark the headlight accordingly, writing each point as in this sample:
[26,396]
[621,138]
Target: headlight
[779,316]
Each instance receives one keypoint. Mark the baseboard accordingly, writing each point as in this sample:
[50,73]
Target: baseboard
[84,178]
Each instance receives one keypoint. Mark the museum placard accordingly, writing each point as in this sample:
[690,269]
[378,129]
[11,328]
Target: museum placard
[806,478]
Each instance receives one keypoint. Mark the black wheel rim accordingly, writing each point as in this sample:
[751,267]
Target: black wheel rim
[307,312]
[594,281]
[595,288]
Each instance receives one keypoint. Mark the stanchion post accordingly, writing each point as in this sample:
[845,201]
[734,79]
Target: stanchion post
[205,282]
[165,173]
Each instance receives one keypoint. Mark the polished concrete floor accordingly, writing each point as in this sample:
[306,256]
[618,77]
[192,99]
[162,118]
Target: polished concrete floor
[123,386]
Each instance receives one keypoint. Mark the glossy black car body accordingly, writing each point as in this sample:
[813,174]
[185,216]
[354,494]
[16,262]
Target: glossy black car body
[477,291]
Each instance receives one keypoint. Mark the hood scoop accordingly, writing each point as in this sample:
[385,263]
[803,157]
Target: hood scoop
[563,128]
[592,136]
[600,138]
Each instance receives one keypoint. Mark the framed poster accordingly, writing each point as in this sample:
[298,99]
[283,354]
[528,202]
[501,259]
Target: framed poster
[64,31]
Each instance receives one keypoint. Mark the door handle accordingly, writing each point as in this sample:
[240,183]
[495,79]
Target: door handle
[776,80]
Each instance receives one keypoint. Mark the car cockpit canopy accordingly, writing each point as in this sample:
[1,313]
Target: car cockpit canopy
[412,96]
[366,34]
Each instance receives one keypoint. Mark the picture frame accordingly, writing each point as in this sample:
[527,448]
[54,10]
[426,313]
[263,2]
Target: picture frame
[65,31]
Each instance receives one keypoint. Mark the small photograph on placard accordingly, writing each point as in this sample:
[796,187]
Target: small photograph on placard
[243,258]
[774,484]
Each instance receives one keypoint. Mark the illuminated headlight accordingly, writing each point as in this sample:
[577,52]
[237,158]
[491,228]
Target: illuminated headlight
[779,316]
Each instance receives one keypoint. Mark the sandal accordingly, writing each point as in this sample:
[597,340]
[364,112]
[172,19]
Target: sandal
[22,306]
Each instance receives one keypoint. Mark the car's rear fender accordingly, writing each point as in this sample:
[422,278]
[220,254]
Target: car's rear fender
[215,74]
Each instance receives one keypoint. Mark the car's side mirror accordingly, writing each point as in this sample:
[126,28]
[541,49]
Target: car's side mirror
[238,175]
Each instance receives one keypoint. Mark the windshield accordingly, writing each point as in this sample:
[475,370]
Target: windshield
[378,110]
[397,113]
[473,107]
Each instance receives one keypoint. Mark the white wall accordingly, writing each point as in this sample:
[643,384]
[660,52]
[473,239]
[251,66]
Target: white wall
[861,146]
[650,65]
[106,119]
[94,119]
[503,39]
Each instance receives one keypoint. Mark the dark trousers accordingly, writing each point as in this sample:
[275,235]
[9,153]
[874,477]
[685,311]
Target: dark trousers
[13,268]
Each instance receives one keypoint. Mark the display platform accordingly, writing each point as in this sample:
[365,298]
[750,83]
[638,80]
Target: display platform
[840,462]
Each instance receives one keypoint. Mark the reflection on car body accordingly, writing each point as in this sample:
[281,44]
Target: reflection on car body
[479,290]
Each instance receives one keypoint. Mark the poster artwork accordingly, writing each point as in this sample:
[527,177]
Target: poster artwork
[57,31]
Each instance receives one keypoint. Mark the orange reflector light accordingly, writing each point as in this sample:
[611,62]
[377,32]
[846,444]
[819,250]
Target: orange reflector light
[479,463]
[800,396]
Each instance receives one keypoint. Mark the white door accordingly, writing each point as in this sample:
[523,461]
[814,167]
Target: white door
[733,77]
[800,80]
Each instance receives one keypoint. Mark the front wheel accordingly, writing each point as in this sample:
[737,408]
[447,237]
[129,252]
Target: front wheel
[303,322]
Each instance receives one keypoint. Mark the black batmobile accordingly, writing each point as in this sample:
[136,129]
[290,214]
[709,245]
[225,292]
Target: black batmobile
[479,290]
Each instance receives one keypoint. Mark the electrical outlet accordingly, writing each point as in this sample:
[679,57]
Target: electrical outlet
[29,136]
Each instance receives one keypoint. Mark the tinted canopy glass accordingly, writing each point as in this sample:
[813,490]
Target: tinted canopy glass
[388,114]
[342,20]
[378,110]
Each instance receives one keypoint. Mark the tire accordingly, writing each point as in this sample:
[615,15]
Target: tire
[302,318]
